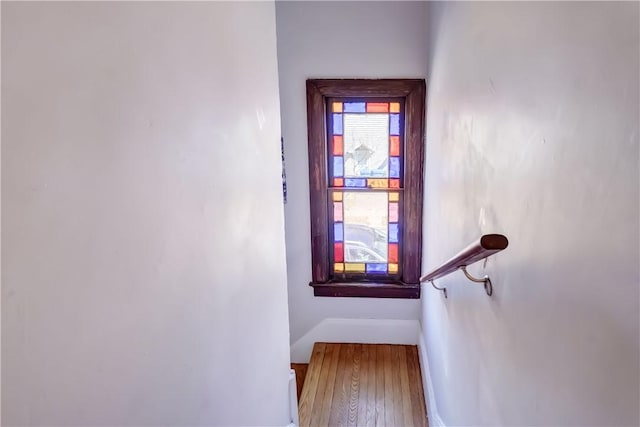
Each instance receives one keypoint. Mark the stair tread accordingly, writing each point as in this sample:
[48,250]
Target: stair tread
[363,384]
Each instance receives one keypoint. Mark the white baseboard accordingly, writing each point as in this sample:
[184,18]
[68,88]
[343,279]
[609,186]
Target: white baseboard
[293,399]
[432,408]
[362,331]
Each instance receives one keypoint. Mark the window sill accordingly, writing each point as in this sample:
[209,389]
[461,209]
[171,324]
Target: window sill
[366,290]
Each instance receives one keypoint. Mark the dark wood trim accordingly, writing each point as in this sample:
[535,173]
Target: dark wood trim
[413,183]
[318,184]
[366,88]
[366,290]
[413,91]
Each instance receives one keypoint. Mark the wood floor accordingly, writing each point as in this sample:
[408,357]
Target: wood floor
[301,374]
[363,385]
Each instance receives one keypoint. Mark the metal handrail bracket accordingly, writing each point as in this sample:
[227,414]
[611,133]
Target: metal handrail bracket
[484,247]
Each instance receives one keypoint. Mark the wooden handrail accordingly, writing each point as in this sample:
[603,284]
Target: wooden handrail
[485,246]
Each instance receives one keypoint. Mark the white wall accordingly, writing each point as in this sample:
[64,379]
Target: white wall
[336,40]
[144,277]
[532,131]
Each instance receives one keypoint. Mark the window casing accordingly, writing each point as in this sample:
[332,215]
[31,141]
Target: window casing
[387,265]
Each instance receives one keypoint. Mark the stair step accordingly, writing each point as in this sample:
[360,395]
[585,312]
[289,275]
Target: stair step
[363,384]
[301,373]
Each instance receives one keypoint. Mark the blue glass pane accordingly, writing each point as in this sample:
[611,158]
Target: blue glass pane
[393,233]
[338,166]
[394,124]
[376,268]
[354,107]
[394,167]
[338,235]
[337,124]
[355,182]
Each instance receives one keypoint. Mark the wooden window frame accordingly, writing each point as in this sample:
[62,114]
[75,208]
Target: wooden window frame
[413,92]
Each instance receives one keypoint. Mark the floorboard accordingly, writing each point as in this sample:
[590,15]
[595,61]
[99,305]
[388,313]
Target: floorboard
[363,385]
[301,373]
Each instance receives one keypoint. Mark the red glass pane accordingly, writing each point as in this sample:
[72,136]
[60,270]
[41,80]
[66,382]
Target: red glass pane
[339,182]
[393,183]
[377,107]
[338,252]
[394,145]
[393,252]
[337,145]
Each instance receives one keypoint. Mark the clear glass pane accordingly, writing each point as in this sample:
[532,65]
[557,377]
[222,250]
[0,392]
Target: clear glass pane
[366,145]
[366,222]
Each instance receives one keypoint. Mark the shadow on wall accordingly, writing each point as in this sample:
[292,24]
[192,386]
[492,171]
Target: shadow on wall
[469,323]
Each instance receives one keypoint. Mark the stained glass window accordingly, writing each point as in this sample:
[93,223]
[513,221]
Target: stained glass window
[365,145]
[366,156]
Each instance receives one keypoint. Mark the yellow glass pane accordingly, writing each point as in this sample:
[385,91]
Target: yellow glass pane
[394,107]
[377,183]
[337,107]
[394,197]
[337,196]
[354,267]
[338,267]
[393,268]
